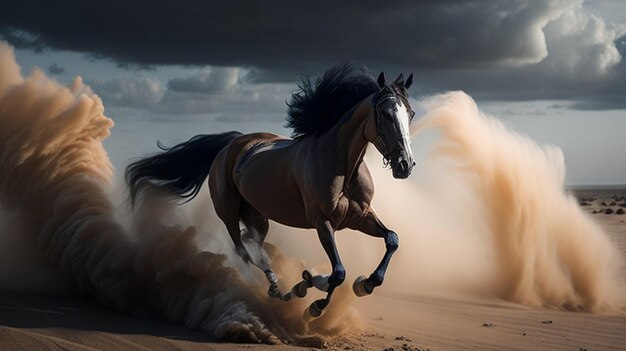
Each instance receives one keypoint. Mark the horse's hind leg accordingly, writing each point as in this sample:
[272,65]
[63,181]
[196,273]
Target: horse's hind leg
[253,235]
[234,230]
[256,228]
[227,203]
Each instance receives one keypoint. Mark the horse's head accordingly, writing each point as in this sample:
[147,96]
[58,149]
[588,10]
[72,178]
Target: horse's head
[393,115]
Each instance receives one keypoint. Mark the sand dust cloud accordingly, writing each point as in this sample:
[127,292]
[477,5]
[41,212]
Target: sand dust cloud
[485,213]
[55,184]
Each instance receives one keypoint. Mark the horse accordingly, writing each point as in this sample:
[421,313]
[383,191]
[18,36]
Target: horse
[317,179]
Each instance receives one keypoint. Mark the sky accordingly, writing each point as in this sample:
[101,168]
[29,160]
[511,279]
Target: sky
[553,69]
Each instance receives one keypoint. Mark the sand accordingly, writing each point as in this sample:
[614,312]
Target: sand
[487,214]
[391,320]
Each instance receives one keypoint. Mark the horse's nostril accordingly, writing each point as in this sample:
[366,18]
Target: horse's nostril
[404,166]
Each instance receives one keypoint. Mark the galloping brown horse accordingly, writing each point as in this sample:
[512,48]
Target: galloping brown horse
[316,180]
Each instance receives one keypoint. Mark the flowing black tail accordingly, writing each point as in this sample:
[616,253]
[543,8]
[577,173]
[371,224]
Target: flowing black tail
[180,169]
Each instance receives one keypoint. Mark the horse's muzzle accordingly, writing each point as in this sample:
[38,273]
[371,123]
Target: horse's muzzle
[402,168]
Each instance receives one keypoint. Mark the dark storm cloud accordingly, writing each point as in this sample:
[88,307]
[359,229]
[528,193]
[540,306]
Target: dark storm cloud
[56,69]
[494,49]
[285,35]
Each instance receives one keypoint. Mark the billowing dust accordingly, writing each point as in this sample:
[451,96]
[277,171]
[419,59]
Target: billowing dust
[54,184]
[485,213]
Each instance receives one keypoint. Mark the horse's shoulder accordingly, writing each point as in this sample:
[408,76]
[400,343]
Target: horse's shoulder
[360,187]
[362,176]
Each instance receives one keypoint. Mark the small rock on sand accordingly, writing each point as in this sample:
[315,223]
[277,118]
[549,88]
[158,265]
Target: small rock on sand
[546,322]
[608,211]
[376,335]
[488,325]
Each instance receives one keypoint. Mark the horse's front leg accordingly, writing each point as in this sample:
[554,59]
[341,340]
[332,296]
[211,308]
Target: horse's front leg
[326,234]
[371,225]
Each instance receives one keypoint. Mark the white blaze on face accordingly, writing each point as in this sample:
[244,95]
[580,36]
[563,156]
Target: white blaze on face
[403,120]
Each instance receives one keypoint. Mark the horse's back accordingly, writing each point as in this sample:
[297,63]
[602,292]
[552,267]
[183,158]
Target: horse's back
[257,168]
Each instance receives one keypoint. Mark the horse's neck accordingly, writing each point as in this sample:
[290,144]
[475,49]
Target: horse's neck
[350,137]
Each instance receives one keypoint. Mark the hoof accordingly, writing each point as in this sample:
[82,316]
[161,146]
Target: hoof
[275,292]
[300,289]
[308,278]
[312,312]
[359,286]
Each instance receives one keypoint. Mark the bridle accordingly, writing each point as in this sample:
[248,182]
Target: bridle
[389,146]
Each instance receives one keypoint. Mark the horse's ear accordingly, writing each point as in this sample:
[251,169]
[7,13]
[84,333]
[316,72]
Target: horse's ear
[409,81]
[381,80]
[399,80]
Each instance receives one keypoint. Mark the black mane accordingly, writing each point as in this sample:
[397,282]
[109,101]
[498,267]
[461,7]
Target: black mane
[319,105]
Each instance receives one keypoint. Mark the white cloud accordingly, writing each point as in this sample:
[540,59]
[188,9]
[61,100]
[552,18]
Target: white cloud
[134,91]
[209,80]
[517,28]
[209,91]
[244,99]
[221,90]
[581,46]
